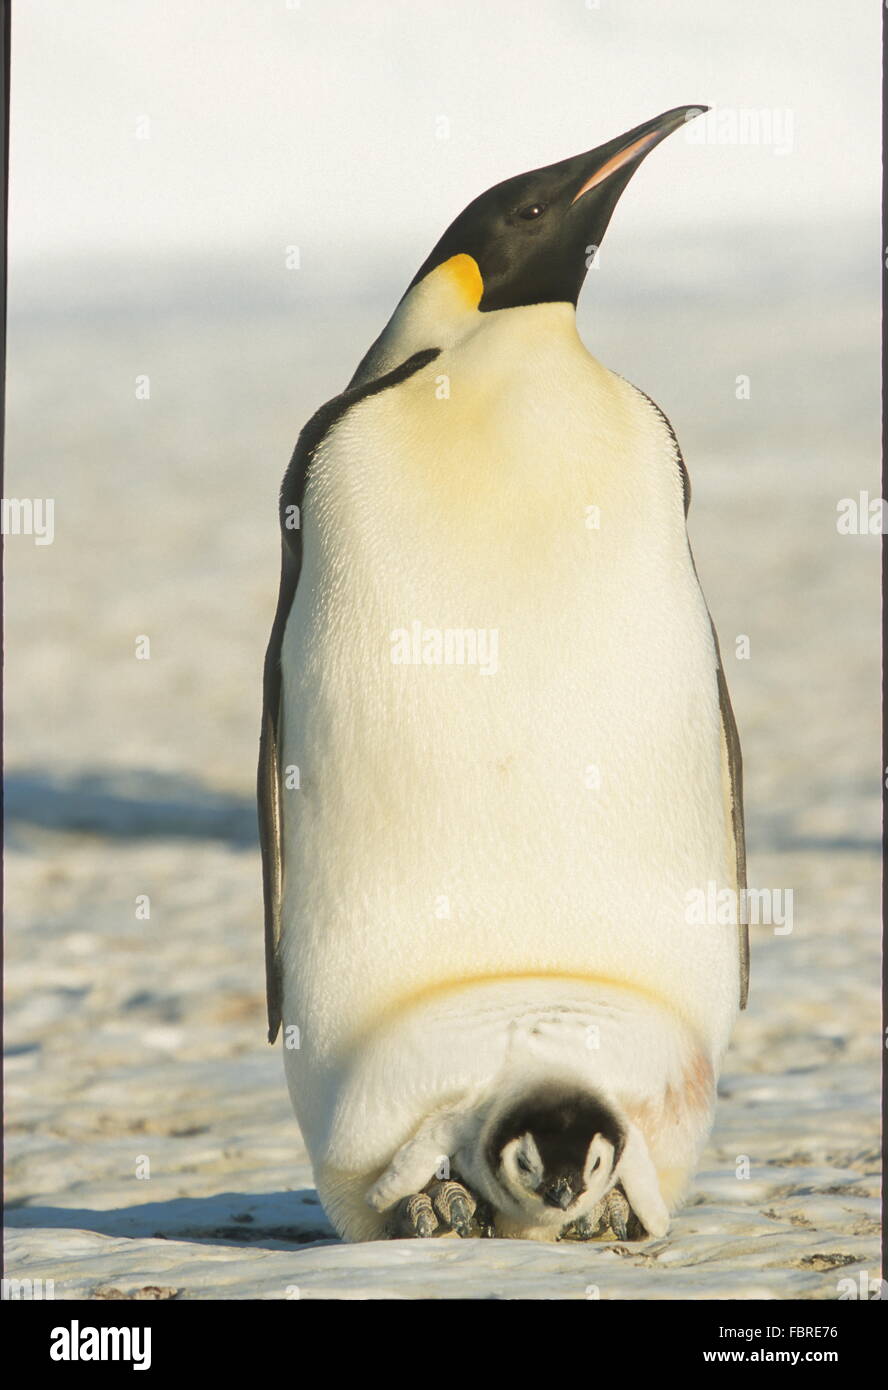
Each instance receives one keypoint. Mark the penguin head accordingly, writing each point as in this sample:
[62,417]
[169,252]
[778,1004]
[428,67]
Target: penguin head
[531,239]
[553,1154]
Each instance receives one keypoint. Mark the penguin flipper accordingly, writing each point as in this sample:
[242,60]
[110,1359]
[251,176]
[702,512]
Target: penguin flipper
[732,767]
[269,786]
[731,753]
[269,782]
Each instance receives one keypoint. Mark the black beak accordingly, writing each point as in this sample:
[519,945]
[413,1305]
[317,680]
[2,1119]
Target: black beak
[614,164]
[559,1193]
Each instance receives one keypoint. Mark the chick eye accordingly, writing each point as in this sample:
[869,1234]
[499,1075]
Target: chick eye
[596,1164]
[531,211]
[523,1164]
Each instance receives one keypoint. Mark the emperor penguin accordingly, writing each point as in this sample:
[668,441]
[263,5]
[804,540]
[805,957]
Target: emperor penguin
[498,760]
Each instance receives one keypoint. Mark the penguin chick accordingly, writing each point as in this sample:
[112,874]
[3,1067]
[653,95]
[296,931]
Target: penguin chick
[553,1155]
[538,1153]
[545,1162]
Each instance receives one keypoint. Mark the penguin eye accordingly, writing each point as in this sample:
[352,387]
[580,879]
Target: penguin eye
[531,211]
[596,1165]
[523,1164]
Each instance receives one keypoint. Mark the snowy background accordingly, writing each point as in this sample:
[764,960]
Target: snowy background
[164,157]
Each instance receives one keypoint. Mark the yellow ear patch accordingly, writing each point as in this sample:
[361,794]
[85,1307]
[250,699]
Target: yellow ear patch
[463,273]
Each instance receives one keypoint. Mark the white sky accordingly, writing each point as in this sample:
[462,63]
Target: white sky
[315,124]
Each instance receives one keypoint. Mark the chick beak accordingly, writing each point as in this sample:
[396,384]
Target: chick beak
[559,1193]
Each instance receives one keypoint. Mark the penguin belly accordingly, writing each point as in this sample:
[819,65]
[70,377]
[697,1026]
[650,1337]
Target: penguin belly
[547,809]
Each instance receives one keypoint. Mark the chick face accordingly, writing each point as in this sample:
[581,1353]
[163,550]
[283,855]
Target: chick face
[552,1155]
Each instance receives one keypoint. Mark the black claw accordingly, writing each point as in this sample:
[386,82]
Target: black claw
[461,1216]
[426,1225]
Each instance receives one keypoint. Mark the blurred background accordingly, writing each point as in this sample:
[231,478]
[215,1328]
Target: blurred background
[214,209]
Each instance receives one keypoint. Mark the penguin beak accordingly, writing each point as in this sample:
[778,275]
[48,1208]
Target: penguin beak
[623,155]
[559,1193]
[591,185]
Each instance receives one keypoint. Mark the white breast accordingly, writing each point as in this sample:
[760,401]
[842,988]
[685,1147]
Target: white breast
[549,818]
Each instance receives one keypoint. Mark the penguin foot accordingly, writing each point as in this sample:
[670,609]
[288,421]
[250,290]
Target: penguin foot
[443,1207]
[413,1217]
[612,1214]
[454,1206]
[585,1228]
[616,1213]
